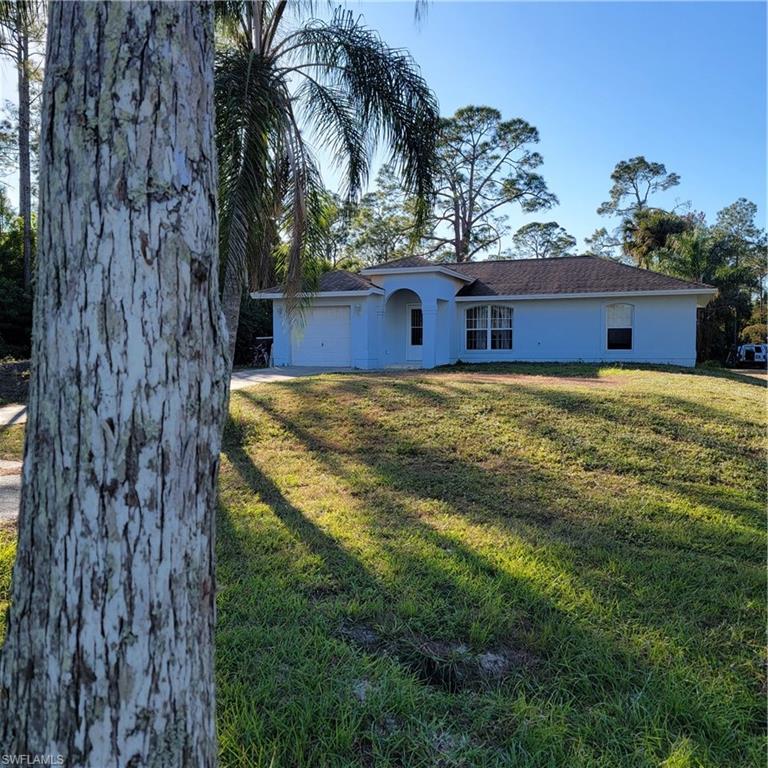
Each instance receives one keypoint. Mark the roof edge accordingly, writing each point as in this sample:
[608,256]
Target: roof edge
[268,294]
[416,270]
[703,291]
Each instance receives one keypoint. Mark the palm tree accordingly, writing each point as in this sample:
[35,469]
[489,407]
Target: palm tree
[693,255]
[648,231]
[334,81]
[708,256]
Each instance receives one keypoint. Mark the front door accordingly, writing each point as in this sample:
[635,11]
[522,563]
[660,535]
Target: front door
[415,330]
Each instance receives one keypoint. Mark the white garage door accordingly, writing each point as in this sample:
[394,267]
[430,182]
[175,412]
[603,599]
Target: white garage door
[324,339]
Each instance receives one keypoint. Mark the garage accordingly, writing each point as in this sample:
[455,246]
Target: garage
[324,338]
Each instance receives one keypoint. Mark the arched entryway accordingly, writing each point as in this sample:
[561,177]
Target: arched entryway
[403,329]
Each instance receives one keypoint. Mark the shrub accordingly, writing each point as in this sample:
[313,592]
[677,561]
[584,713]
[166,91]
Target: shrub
[755,334]
[255,320]
[15,320]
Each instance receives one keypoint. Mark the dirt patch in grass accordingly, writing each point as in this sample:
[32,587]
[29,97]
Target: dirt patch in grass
[450,666]
[491,377]
[454,667]
[502,378]
[361,635]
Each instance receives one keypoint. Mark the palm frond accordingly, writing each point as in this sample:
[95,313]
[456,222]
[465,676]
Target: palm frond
[249,114]
[341,82]
[335,125]
[382,88]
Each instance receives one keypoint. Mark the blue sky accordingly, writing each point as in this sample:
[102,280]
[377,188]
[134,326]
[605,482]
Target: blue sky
[681,83]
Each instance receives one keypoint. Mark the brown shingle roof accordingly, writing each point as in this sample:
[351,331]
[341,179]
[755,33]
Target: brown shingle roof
[569,274]
[406,261]
[525,277]
[335,280]
[341,280]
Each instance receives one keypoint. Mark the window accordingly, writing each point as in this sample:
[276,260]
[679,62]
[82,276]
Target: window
[618,322]
[501,327]
[477,328]
[417,327]
[489,327]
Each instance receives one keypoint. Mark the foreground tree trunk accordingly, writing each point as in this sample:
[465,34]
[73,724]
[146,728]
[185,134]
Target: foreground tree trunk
[108,654]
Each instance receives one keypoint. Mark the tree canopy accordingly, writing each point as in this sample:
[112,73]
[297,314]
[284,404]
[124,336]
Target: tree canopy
[603,244]
[542,241]
[484,163]
[646,232]
[383,223]
[634,181]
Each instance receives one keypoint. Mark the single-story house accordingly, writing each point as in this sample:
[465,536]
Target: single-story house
[416,313]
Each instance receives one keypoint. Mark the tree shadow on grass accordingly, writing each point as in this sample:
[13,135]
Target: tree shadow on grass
[452,574]
[419,551]
[640,550]
[661,426]
[335,558]
[408,461]
[485,497]
[629,408]
[643,451]
[597,370]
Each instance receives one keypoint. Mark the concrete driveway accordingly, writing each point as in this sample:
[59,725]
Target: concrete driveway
[755,373]
[10,490]
[246,377]
[10,471]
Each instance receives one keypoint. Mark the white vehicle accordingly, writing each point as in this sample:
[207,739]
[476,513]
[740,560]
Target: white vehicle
[752,354]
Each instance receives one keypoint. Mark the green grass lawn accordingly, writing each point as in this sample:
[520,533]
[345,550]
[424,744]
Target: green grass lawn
[468,569]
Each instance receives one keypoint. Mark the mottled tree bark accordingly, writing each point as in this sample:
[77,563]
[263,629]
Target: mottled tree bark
[108,656]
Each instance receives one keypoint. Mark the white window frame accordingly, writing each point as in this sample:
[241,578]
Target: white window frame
[606,309]
[410,326]
[489,328]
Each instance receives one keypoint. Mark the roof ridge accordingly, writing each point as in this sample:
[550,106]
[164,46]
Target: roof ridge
[507,261]
[555,259]
[644,270]
[561,275]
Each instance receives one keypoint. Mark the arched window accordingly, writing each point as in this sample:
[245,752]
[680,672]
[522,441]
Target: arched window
[619,320]
[488,327]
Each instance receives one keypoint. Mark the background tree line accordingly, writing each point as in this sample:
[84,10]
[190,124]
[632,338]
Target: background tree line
[22,33]
[446,191]
[729,253]
[477,183]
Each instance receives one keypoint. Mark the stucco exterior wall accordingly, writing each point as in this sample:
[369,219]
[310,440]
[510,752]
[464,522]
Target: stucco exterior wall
[558,330]
[664,331]
[363,327]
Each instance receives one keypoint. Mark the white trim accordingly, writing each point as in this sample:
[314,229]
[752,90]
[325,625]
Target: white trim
[488,329]
[320,294]
[416,270]
[413,352]
[594,295]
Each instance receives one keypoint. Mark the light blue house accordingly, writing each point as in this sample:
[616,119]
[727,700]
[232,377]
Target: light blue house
[416,313]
